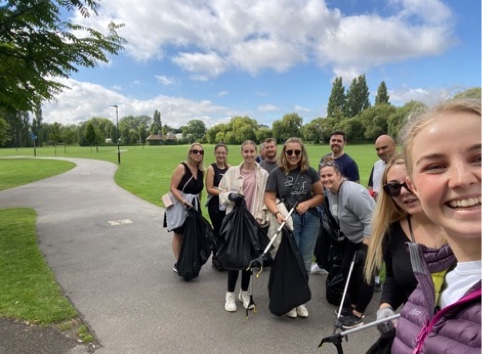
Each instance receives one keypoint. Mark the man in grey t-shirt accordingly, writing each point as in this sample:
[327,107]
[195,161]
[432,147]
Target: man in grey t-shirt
[270,155]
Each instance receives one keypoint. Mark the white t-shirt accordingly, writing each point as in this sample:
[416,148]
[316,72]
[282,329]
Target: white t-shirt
[378,169]
[459,280]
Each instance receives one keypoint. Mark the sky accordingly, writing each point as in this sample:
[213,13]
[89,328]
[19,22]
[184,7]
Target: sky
[214,60]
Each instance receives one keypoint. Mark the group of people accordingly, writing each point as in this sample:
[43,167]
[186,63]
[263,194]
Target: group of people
[420,218]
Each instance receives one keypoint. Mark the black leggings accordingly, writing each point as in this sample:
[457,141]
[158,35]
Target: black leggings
[359,292]
[233,278]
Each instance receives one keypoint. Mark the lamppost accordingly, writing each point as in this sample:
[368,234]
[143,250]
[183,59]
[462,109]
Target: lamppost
[117,131]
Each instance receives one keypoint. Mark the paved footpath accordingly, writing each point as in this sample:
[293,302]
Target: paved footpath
[120,278]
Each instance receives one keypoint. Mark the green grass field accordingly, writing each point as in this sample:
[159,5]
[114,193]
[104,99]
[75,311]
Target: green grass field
[146,171]
[30,291]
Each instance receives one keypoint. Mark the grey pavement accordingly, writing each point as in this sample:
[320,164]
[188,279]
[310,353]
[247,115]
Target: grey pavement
[120,278]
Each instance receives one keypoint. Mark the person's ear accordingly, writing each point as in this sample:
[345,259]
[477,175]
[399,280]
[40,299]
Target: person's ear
[410,184]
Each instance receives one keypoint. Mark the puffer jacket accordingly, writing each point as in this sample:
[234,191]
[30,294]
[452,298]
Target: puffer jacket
[423,329]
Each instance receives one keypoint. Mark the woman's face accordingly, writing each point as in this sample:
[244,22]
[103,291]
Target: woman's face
[220,154]
[197,153]
[330,178]
[293,153]
[446,173]
[406,200]
[248,152]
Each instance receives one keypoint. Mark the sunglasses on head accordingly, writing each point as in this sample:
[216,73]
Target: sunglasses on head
[291,152]
[394,188]
[196,151]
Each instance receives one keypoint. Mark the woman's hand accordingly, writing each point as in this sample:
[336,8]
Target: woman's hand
[280,218]
[302,208]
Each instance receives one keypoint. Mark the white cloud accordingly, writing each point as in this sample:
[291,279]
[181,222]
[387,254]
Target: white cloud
[268,108]
[164,80]
[86,100]
[207,38]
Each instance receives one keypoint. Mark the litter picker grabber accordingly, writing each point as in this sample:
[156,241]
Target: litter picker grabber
[345,290]
[266,250]
[336,338]
[260,261]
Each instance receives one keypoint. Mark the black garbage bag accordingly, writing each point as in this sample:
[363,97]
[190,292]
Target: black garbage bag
[196,245]
[328,247]
[241,239]
[335,284]
[288,279]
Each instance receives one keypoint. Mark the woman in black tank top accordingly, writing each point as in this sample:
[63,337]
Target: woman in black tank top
[188,177]
[213,176]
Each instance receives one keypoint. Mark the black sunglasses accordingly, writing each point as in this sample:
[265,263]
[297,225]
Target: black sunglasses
[394,188]
[196,151]
[290,152]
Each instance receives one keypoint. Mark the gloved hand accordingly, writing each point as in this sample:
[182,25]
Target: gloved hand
[236,197]
[384,313]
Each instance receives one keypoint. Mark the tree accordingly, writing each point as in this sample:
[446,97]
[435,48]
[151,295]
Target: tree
[336,102]
[156,126]
[382,94]
[142,132]
[54,135]
[37,47]
[90,134]
[375,120]
[474,92]
[288,127]
[313,131]
[195,128]
[4,132]
[357,97]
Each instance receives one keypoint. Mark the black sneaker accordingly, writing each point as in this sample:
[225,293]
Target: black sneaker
[174,268]
[351,321]
[345,311]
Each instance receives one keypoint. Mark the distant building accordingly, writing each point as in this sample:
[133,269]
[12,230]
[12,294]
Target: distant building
[160,139]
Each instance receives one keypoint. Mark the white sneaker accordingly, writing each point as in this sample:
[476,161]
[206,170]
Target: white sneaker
[230,304]
[315,269]
[292,313]
[245,298]
[301,311]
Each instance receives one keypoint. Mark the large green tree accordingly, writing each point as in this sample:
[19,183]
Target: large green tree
[336,102]
[357,97]
[4,132]
[289,126]
[37,47]
[195,128]
[382,94]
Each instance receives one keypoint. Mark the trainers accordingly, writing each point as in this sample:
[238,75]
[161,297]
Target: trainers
[230,304]
[345,311]
[174,268]
[351,321]
[292,313]
[301,311]
[377,288]
[315,269]
[245,299]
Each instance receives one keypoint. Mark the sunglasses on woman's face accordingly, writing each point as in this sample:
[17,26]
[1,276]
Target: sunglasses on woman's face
[394,188]
[291,152]
[196,151]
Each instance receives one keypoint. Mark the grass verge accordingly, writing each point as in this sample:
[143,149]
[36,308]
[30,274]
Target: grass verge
[29,290]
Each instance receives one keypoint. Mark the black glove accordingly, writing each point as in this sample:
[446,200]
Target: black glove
[236,198]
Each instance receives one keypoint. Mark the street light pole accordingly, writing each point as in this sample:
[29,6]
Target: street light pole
[117,131]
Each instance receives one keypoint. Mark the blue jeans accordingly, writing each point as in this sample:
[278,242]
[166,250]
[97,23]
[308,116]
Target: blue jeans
[306,229]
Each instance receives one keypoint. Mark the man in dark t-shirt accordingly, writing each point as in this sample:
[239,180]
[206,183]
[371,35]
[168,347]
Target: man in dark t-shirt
[344,162]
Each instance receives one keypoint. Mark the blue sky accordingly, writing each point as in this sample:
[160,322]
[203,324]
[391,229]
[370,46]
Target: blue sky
[212,60]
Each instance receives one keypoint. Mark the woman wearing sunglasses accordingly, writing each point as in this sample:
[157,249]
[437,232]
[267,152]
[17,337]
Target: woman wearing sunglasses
[443,150]
[186,186]
[352,206]
[398,219]
[246,181]
[294,181]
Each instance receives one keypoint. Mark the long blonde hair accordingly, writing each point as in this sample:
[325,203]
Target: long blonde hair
[386,213]
[283,161]
[189,159]
[417,121]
